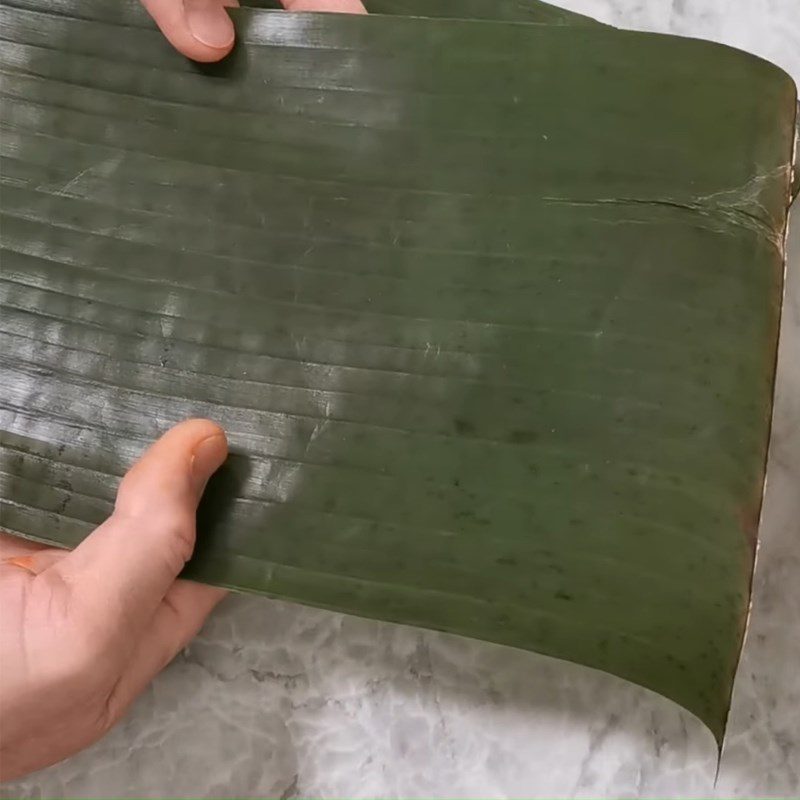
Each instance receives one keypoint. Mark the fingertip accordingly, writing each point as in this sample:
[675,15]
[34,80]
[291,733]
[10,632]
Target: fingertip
[174,469]
[208,456]
[203,54]
[210,25]
[183,439]
[199,428]
[199,29]
[198,51]
[207,444]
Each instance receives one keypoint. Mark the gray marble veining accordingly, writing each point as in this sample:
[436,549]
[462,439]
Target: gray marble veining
[274,699]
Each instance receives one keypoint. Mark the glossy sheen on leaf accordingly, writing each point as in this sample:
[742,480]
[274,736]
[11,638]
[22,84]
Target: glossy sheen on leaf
[488,310]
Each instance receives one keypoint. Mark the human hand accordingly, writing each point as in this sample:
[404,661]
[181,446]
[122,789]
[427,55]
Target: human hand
[203,31]
[83,633]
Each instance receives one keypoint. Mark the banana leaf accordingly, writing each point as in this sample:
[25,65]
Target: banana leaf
[128,12]
[488,310]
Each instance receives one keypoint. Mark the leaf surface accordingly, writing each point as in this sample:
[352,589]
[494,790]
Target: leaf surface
[488,310]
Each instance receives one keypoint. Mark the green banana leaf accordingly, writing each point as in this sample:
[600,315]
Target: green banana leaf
[128,12]
[488,310]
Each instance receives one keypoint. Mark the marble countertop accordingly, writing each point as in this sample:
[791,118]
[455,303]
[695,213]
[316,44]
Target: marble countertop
[278,700]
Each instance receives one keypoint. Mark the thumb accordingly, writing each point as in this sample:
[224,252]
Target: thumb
[129,563]
[200,29]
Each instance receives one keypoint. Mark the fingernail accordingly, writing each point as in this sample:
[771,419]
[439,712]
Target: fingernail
[207,457]
[209,23]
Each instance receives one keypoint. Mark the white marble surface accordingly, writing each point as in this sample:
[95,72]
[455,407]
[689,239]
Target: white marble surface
[278,700]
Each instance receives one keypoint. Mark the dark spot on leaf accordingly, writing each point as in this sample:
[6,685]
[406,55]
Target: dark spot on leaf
[561,595]
[463,426]
[509,561]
